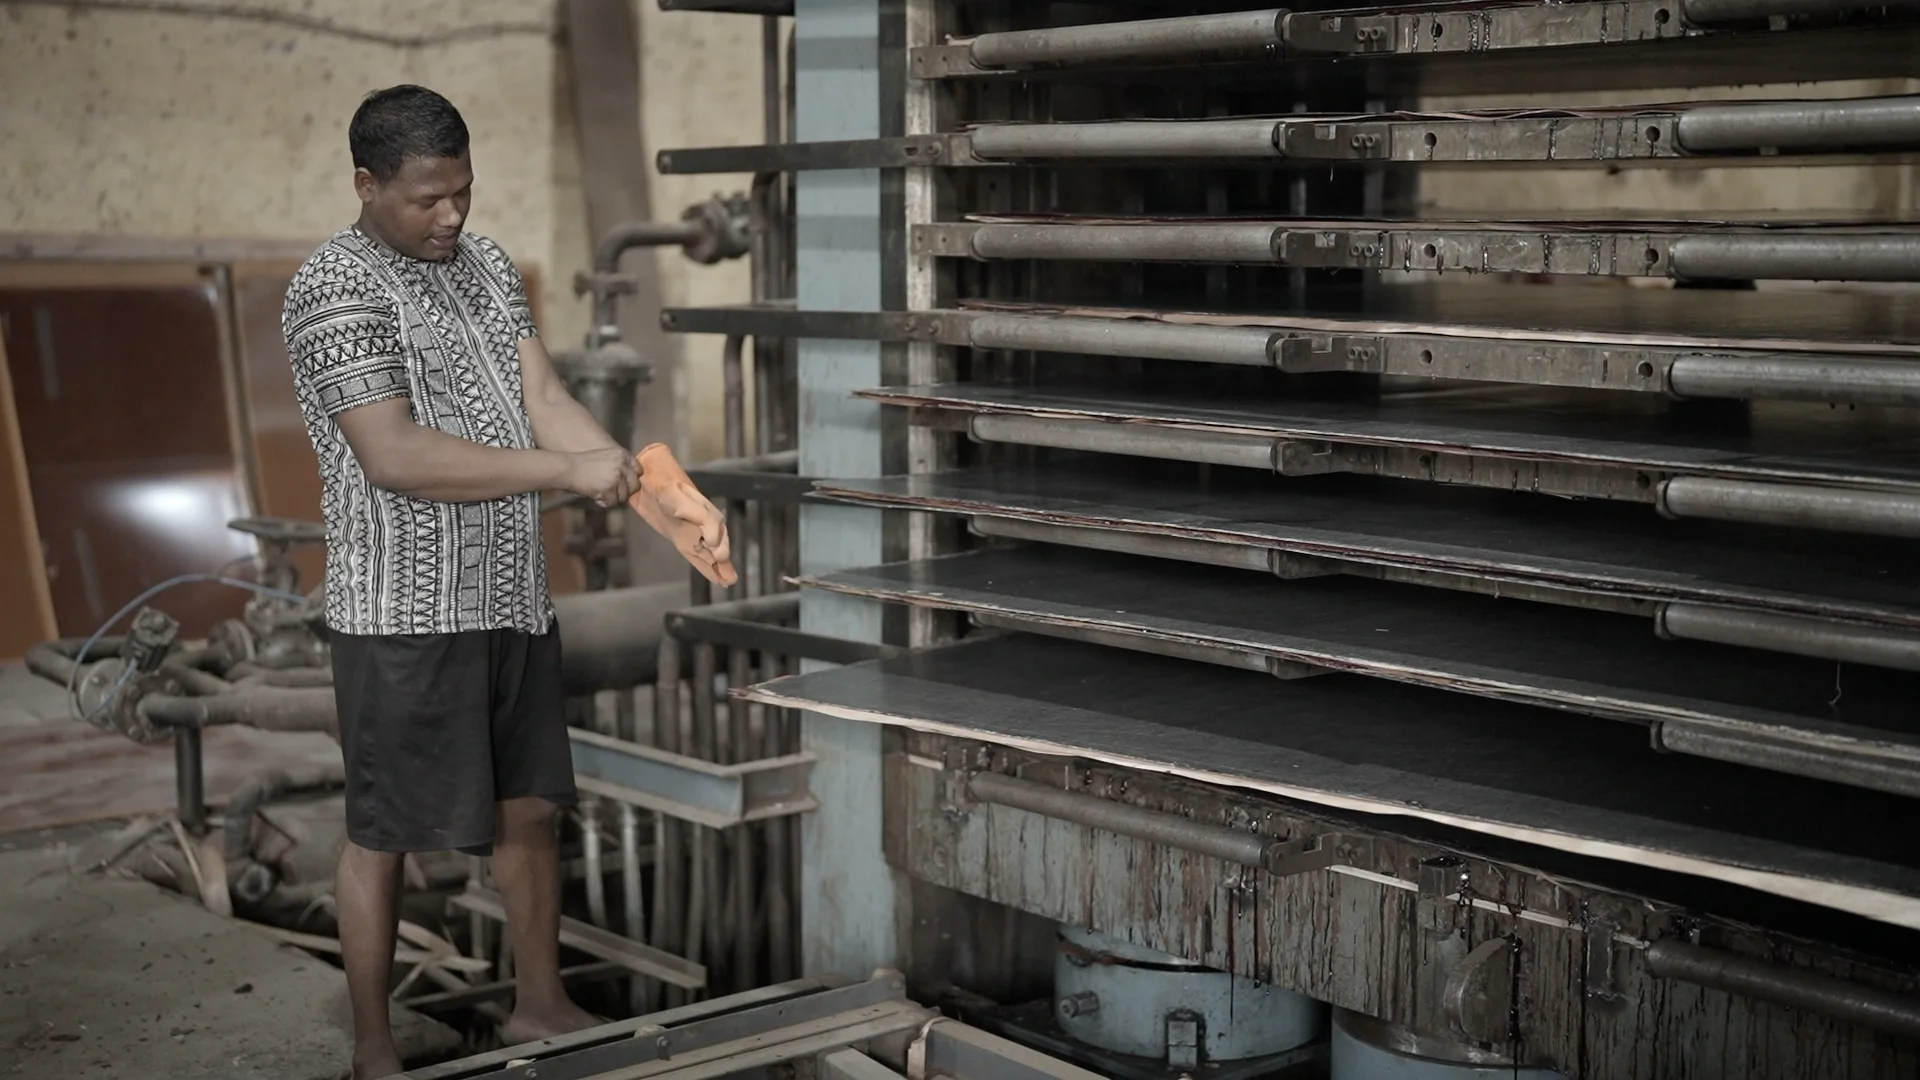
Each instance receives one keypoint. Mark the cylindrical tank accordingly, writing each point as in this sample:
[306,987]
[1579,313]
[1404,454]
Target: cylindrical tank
[1125,998]
[1365,1048]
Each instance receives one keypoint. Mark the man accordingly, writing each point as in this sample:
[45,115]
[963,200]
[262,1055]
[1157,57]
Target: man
[438,421]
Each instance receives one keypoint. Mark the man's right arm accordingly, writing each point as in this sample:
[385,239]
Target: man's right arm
[425,463]
[345,345]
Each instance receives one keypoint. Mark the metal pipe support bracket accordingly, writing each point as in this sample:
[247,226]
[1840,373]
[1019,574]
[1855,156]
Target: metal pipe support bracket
[692,789]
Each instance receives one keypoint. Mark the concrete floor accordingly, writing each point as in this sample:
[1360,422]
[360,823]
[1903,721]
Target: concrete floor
[103,975]
[106,976]
[26,699]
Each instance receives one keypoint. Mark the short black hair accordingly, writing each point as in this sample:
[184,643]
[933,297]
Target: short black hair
[401,122]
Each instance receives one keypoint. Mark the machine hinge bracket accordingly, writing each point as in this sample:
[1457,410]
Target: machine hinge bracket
[1601,980]
[1301,354]
[1335,142]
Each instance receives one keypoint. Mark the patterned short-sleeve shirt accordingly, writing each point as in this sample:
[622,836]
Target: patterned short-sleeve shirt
[364,323]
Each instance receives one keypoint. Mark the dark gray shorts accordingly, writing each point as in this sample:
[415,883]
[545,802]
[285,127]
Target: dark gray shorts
[438,728]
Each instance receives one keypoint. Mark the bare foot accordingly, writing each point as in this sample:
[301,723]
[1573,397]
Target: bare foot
[375,1061]
[530,1023]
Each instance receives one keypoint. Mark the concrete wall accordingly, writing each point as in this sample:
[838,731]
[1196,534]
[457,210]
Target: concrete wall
[118,121]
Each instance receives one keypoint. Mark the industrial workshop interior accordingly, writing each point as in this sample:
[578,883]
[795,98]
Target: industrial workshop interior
[1353,543]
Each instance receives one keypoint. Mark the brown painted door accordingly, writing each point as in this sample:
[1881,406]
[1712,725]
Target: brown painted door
[23,583]
[121,385]
[286,473]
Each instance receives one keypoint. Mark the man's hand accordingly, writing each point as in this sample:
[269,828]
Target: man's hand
[607,475]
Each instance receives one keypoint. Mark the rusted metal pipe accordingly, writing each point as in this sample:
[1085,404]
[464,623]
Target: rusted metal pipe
[1234,35]
[1892,122]
[56,659]
[641,234]
[195,680]
[705,930]
[190,780]
[634,922]
[1837,998]
[292,677]
[734,376]
[596,869]
[250,881]
[1882,513]
[48,662]
[1824,638]
[611,637]
[669,873]
[756,608]
[1218,841]
[265,707]
[624,238]
[740,748]
[772,461]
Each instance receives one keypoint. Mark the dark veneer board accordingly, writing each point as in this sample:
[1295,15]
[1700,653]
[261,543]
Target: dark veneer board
[1585,661]
[1532,425]
[1706,319]
[1607,548]
[1378,747]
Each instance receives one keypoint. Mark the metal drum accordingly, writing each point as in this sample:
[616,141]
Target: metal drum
[1130,1000]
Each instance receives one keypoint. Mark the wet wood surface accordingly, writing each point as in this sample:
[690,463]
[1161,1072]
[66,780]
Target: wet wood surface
[1358,937]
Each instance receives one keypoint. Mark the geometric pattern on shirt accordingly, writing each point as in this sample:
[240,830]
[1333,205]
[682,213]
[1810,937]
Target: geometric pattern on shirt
[362,324]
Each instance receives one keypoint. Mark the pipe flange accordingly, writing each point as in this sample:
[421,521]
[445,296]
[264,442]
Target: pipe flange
[726,229]
[250,882]
[109,699]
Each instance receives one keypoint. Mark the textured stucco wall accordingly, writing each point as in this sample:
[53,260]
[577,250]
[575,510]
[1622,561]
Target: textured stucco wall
[700,80]
[193,125]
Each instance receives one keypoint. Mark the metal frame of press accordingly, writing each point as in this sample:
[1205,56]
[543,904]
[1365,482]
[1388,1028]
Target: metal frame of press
[1580,950]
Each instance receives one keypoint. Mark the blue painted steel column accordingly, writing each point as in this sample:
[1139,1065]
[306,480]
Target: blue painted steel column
[847,916]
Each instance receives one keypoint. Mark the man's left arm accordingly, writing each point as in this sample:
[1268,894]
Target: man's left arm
[559,422]
[664,496]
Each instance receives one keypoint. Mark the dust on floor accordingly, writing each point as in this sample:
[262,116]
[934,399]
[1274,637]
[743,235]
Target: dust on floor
[103,976]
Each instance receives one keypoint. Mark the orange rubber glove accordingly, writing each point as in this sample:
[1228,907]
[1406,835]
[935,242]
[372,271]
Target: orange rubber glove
[668,501]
